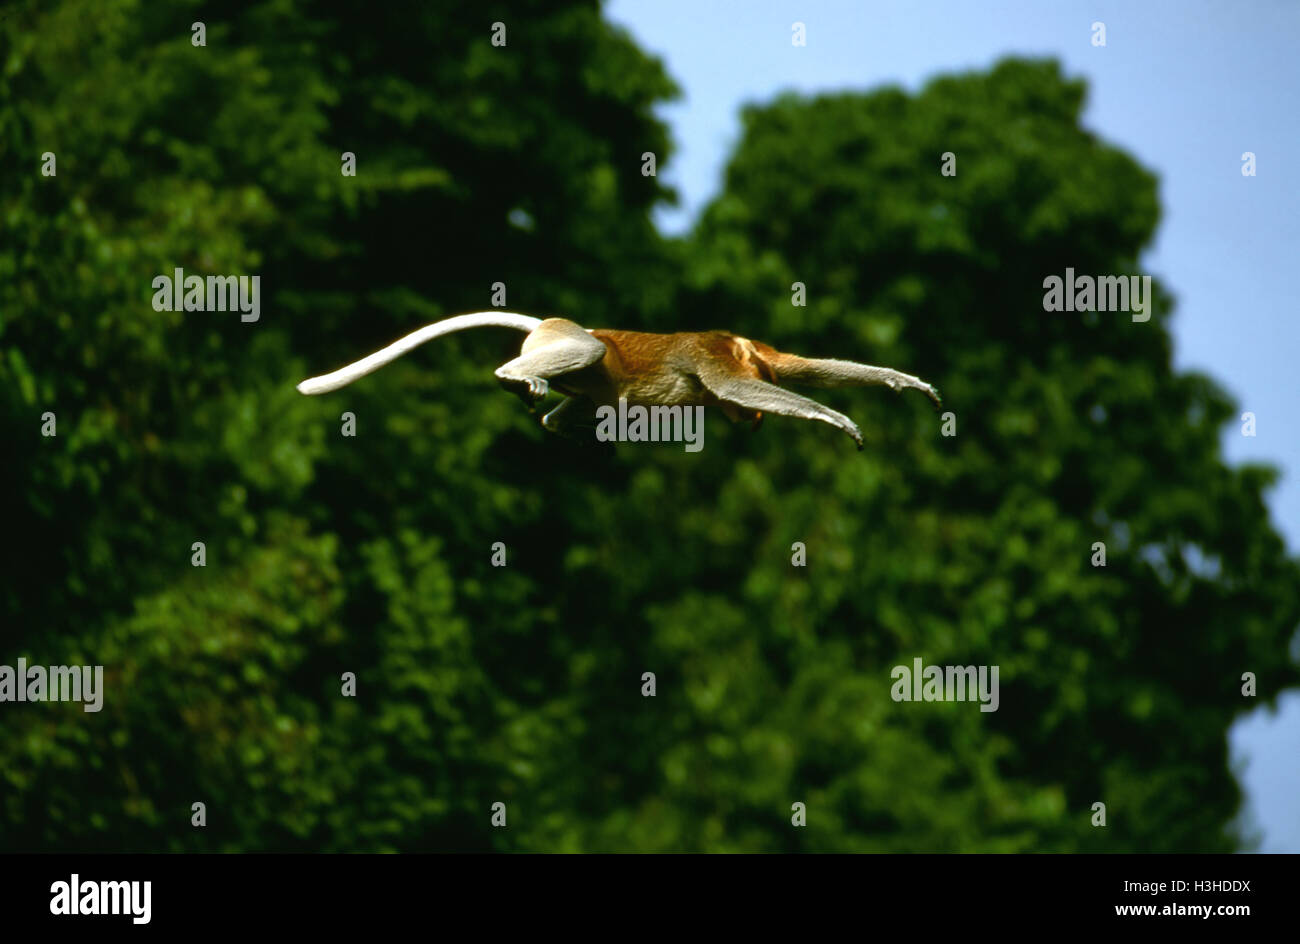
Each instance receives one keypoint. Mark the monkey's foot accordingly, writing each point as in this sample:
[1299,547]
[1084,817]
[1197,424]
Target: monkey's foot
[528,389]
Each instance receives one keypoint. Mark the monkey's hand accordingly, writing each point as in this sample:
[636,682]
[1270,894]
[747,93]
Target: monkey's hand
[933,394]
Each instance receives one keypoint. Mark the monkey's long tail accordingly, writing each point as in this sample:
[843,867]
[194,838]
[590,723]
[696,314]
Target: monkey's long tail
[354,371]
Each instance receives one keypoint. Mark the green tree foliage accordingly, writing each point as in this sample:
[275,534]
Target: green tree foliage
[372,554]
[1118,684]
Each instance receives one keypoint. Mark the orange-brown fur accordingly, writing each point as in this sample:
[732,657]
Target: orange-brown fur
[656,369]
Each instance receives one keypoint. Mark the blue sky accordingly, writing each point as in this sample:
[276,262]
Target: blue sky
[1185,86]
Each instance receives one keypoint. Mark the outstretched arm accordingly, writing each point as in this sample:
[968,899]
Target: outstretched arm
[768,398]
[833,373]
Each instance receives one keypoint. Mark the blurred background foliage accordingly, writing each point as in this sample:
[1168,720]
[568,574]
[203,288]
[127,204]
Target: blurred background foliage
[372,555]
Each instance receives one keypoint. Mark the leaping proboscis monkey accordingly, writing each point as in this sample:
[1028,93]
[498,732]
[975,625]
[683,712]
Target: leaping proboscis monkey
[597,367]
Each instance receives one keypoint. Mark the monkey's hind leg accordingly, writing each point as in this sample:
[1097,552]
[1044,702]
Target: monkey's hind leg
[556,347]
